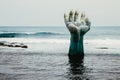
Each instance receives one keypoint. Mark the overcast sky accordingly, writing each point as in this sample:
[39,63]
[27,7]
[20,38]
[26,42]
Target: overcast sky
[50,12]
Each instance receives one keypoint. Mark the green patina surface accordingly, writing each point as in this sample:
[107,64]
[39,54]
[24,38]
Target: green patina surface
[76,44]
[77,30]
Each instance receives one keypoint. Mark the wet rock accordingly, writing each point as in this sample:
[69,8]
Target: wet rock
[24,46]
[1,43]
[10,46]
[13,44]
[17,45]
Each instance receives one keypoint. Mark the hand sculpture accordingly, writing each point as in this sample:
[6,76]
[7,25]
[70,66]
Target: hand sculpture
[77,29]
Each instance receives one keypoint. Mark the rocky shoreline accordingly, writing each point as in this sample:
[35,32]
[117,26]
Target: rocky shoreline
[13,44]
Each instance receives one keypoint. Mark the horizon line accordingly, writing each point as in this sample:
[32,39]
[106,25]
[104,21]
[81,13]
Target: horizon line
[53,26]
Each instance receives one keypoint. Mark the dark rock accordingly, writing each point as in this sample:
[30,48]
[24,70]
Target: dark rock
[13,44]
[1,43]
[10,45]
[24,46]
[17,45]
[103,48]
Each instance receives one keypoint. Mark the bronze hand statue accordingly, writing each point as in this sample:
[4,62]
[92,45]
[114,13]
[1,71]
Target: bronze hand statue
[77,28]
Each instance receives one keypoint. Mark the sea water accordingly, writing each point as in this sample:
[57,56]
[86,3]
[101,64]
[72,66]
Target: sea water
[46,56]
[56,39]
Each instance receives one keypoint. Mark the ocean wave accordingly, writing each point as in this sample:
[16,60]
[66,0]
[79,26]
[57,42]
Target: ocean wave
[27,34]
[47,33]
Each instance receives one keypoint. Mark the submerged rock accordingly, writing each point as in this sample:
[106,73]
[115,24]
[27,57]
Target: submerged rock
[103,48]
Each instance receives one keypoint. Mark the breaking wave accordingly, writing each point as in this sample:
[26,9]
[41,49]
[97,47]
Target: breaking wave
[25,34]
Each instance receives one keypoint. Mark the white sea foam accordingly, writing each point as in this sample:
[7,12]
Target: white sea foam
[62,45]
[47,40]
[33,40]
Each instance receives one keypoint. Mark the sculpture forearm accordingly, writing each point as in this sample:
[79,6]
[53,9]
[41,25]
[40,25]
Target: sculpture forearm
[77,30]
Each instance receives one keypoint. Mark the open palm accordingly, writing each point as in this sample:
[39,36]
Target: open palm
[76,25]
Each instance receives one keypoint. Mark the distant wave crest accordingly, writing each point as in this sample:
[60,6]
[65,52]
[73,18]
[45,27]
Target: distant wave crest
[25,34]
